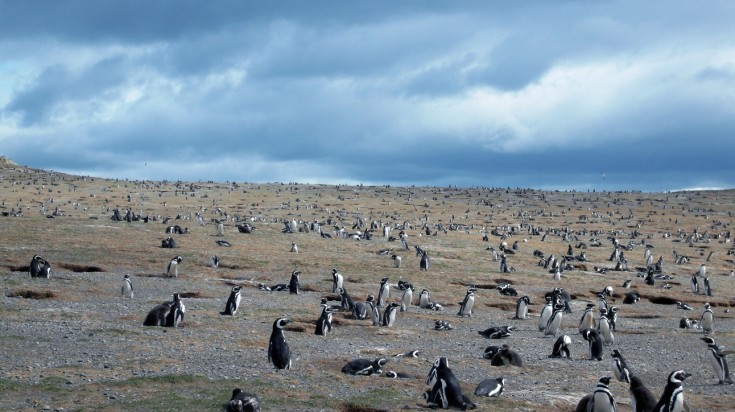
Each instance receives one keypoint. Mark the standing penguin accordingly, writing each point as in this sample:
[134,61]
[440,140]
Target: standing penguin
[592,336]
[522,307]
[561,347]
[602,399]
[346,300]
[620,367]
[465,307]
[324,323]
[373,310]
[389,317]
[694,284]
[672,399]
[546,312]
[425,263]
[641,398]
[708,319]
[172,270]
[707,288]
[407,298]
[127,287]
[233,302]
[424,299]
[337,281]
[587,321]
[293,284]
[605,329]
[278,351]
[717,360]
[39,267]
[445,390]
[554,323]
[384,292]
[214,261]
[176,312]
[612,317]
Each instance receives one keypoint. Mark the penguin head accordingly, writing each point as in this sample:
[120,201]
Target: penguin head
[678,376]
[383,280]
[295,273]
[280,323]
[441,362]
[127,276]
[708,340]
[334,271]
[391,374]
[605,380]
[707,305]
[236,289]
[381,362]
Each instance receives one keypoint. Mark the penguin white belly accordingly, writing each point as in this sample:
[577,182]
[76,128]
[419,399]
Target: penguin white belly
[601,402]
[716,366]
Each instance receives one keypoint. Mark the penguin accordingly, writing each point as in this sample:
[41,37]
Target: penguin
[592,336]
[397,375]
[672,399]
[396,261]
[278,351]
[410,354]
[223,243]
[683,306]
[631,298]
[424,299]
[173,266]
[602,399]
[176,312]
[337,281]
[407,298]
[364,367]
[425,263]
[446,391]
[389,316]
[641,398]
[584,403]
[707,288]
[492,350]
[373,310]
[36,268]
[522,307]
[694,284]
[346,300]
[324,323]
[554,323]
[588,318]
[294,248]
[620,367]
[491,387]
[650,280]
[708,319]
[497,332]
[506,356]
[546,312]
[612,317]
[384,292]
[127,287]
[718,361]
[293,284]
[561,347]
[605,329]
[157,315]
[214,261]
[243,402]
[465,307]
[627,283]
[233,302]
[359,311]
[442,325]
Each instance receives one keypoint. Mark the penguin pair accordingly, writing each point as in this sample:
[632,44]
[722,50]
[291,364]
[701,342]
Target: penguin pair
[233,302]
[176,312]
[168,314]
[445,390]
[442,325]
[365,367]
[502,356]
[465,307]
[279,354]
[39,267]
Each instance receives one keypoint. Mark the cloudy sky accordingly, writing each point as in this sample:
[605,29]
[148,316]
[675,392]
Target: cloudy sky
[622,95]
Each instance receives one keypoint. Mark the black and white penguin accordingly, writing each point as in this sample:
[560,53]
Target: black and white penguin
[717,359]
[364,367]
[324,323]
[293,284]
[176,312]
[694,284]
[683,306]
[672,399]
[359,311]
[546,312]
[410,354]
[587,321]
[620,367]
[522,307]
[612,317]
[641,398]
[294,247]
[383,292]
[592,336]
[632,297]
[442,325]
[278,351]
[243,402]
[346,300]
[424,299]
[127,287]
[157,315]
[39,267]
[465,307]
[214,261]
[233,302]
[373,311]
[605,329]
[172,270]
[492,350]
[506,356]
[425,263]
[337,281]
[397,375]
[554,323]
[497,332]
[627,283]
[602,399]
[490,387]
[389,316]
[407,297]
[446,391]
[708,319]
[561,347]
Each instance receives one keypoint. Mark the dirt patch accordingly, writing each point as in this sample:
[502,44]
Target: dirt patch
[32,294]
[80,268]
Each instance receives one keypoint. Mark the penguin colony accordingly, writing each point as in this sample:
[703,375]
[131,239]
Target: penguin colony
[444,389]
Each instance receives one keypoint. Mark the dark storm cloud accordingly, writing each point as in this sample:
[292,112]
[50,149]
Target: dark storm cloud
[568,94]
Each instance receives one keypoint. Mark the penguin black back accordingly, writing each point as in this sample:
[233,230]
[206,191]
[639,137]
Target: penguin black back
[243,402]
[233,302]
[157,315]
[293,284]
[641,399]
[278,351]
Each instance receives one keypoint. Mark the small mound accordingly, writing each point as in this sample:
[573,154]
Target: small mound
[80,268]
[31,294]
